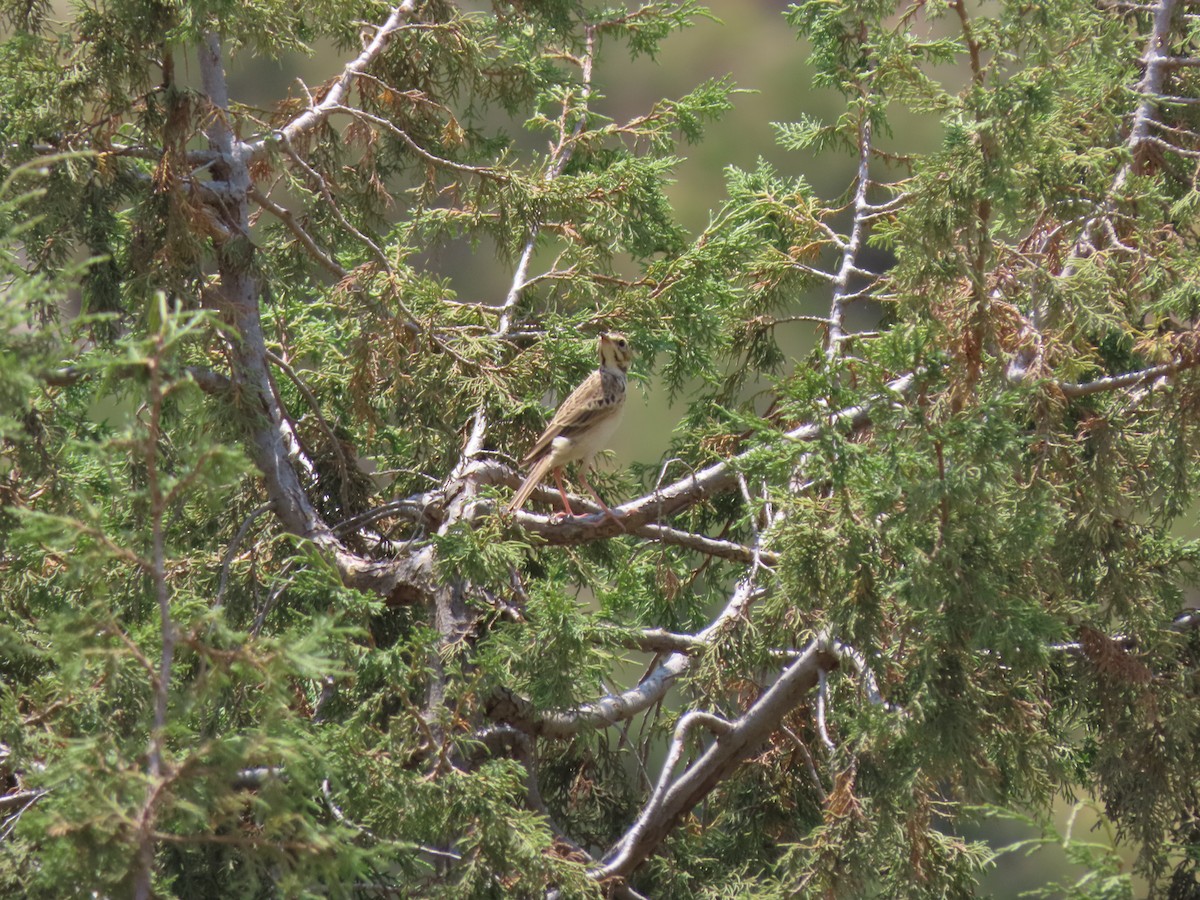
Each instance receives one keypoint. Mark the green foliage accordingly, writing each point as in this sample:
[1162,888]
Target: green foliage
[1105,876]
[262,632]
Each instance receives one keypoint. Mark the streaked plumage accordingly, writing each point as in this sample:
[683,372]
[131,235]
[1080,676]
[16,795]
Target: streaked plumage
[583,424]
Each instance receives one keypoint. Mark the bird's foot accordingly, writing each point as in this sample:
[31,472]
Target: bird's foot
[607,513]
[562,516]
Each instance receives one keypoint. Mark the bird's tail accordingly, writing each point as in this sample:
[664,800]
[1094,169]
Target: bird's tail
[532,480]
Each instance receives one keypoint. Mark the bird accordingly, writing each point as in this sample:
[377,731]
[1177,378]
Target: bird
[582,425]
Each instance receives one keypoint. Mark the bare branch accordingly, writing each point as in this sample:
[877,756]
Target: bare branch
[822,696]
[732,745]
[1172,148]
[286,216]
[696,487]
[579,529]
[1149,88]
[335,444]
[400,581]
[853,246]
[406,138]
[772,321]
[706,545]
[721,476]
[1128,379]
[858,663]
[20,798]
[23,799]
[505,706]
[656,640]
[815,272]
[653,807]
[1176,62]
[320,112]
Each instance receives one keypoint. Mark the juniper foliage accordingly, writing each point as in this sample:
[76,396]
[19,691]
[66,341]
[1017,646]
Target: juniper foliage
[932,573]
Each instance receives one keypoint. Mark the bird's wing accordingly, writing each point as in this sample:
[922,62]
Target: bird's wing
[586,406]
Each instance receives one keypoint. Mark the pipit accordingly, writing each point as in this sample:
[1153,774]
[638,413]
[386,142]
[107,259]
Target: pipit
[582,426]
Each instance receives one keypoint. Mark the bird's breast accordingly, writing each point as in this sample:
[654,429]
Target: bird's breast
[587,442]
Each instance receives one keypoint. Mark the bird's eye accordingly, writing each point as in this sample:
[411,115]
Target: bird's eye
[621,344]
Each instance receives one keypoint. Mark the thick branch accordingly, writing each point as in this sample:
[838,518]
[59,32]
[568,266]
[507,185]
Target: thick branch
[505,706]
[400,581]
[653,808]
[239,292]
[734,742]
[656,640]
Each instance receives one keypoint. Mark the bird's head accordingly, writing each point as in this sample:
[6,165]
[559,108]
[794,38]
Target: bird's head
[615,351]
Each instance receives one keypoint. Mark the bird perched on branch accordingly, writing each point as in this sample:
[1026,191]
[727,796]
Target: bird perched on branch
[582,426]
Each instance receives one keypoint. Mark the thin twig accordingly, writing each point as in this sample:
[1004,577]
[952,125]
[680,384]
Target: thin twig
[285,215]
[406,138]
[809,762]
[335,208]
[231,551]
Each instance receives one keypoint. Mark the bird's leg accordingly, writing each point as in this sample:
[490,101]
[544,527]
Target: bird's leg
[562,492]
[604,506]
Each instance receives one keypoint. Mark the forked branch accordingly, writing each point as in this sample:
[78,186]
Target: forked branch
[733,742]
[319,112]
